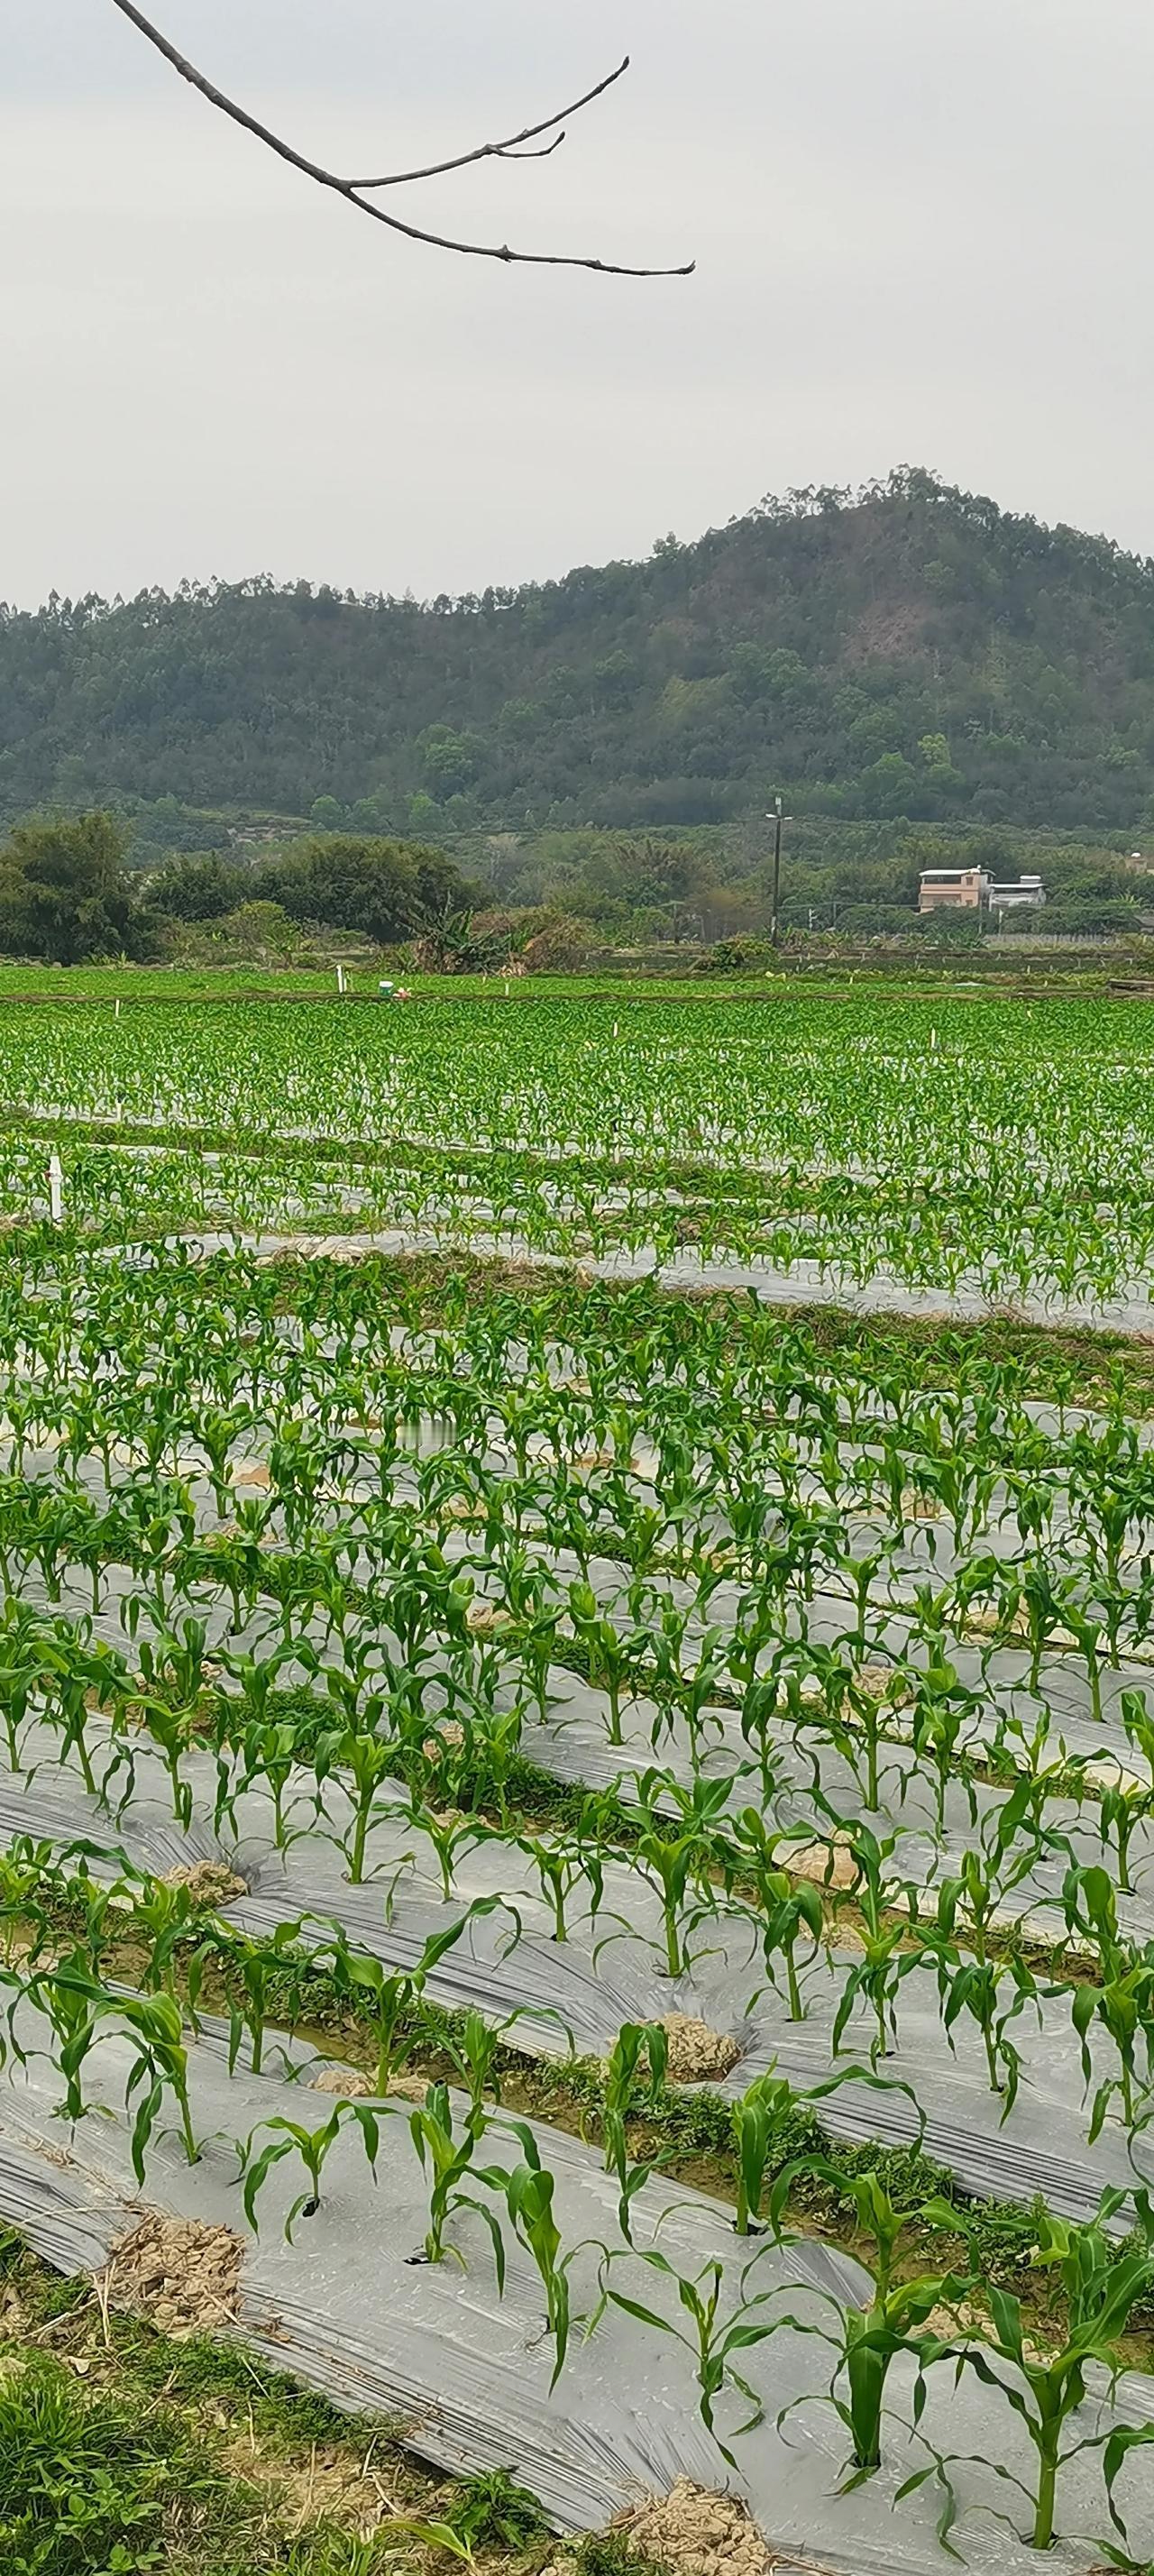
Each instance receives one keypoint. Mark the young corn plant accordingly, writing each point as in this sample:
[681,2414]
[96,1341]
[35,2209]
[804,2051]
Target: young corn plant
[1101,2286]
[490,1748]
[164,1919]
[888,1906]
[611,1659]
[475,2052]
[83,1675]
[154,2027]
[1012,1839]
[26,1672]
[1122,1808]
[698,1689]
[237,1560]
[168,1729]
[39,1880]
[991,1992]
[173,1661]
[763,1730]
[1123,2008]
[623,2095]
[1044,1609]
[529,2192]
[766,2121]
[562,1864]
[313,2147]
[718,2324]
[390,2003]
[940,1711]
[675,1854]
[765,2113]
[27,1927]
[867,2341]
[256,1974]
[270,1753]
[448,2159]
[448,1836]
[825,1690]
[533,1640]
[1127,1803]
[1119,2003]
[788,1908]
[70,1999]
[367,1768]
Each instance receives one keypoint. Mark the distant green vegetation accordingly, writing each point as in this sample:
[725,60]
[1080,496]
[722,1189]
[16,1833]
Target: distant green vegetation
[66,896]
[553,903]
[912,651]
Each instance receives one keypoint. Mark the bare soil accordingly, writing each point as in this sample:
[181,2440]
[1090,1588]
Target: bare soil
[697,2533]
[697,2054]
[209,1882]
[179,2273]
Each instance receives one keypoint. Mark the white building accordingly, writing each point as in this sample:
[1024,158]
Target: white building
[1027,895]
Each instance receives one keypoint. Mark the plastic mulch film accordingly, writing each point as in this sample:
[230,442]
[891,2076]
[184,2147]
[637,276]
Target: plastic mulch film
[573,1997]
[349,2308]
[804,1283]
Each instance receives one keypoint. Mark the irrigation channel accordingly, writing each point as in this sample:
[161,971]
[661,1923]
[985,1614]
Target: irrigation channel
[607,1836]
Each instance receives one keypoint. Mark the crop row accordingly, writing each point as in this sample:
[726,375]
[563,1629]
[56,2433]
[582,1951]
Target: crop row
[583,1664]
[58,2001]
[945,1090]
[950,1146]
[1015,1246]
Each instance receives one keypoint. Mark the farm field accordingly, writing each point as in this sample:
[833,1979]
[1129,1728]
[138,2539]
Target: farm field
[596,1842]
[933,1152]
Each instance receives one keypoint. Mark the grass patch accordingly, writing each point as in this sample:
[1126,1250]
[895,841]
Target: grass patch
[91,2486]
[122,2453]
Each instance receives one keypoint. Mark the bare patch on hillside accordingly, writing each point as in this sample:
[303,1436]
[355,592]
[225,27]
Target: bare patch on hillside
[886,631]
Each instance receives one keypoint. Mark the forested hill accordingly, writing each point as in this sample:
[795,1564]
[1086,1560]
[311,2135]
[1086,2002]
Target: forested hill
[908,650]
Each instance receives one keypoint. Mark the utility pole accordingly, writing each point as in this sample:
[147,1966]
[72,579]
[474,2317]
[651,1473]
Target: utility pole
[777,818]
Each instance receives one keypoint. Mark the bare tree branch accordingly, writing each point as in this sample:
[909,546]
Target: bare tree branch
[508,149]
[349,188]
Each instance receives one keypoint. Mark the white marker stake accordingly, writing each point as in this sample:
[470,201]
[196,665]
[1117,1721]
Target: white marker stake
[340,979]
[506,992]
[116,1010]
[56,1190]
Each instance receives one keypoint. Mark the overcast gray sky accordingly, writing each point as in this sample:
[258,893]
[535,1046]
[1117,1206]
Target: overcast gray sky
[923,230]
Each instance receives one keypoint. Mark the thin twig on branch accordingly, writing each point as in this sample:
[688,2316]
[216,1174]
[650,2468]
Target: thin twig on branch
[509,150]
[512,149]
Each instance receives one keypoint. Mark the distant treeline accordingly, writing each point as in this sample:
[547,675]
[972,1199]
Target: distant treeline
[66,893]
[907,652]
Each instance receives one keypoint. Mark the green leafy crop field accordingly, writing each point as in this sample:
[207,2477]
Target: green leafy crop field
[583,1813]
